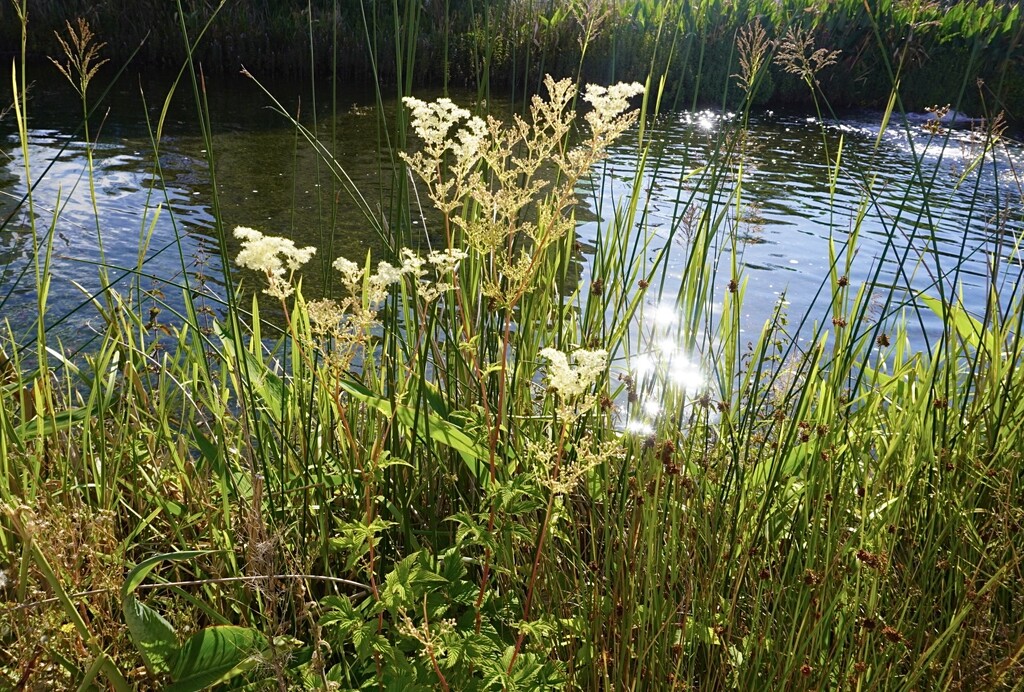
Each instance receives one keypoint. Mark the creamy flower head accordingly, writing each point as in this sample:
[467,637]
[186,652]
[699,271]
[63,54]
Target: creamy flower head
[609,104]
[446,260]
[412,263]
[324,314]
[470,139]
[351,273]
[386,275]
[434,122]
[272,255]
[572,381]
[376,283]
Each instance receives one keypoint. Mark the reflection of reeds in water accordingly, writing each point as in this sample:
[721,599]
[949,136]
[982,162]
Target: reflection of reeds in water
[462,471]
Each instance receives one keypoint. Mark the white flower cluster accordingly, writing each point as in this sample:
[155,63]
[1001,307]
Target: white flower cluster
[609,104]
[351,273]
[276,257]
[470,138]
[433,121]
[572,381]
[512,199]
[444,262]
[376,284]
[412,264]
[387,274]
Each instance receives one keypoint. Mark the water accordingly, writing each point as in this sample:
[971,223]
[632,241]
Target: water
[961,238]
[162,200]
[269,178]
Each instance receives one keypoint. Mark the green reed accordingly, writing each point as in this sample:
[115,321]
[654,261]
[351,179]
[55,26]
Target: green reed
[410,483]
[516,42]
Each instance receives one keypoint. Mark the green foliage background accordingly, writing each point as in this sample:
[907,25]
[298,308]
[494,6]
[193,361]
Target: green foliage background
[947,46]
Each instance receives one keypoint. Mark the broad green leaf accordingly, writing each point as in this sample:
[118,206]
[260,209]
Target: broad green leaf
[967,328]
[154,637]
[213,655]
[209,450]
[434,399]
[51,424]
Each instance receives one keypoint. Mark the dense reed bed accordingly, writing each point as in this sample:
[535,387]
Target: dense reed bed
[939,48]
[471,465]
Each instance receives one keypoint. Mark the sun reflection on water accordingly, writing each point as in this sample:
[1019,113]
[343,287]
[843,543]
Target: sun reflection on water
[666,375]
[706,120]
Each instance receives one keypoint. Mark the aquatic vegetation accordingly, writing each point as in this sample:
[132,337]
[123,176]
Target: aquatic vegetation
[487,460]
[938,47]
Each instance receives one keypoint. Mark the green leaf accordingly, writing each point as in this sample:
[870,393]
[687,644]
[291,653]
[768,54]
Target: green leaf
[967,328]
[213,655]
[433,397]
[208,449]
[142,570]
[52,424]
[154,637]
[267,385]
[426,423]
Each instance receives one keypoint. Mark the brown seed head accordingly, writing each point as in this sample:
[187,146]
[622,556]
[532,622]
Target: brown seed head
[892,634]
[870,559]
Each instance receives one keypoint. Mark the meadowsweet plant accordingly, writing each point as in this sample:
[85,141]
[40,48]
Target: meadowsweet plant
[465,330]
[517,182]
[348,323]
[571,381]
[276,258]
[467,466]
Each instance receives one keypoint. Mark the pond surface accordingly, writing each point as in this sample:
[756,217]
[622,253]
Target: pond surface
[964,233]
[782,213]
